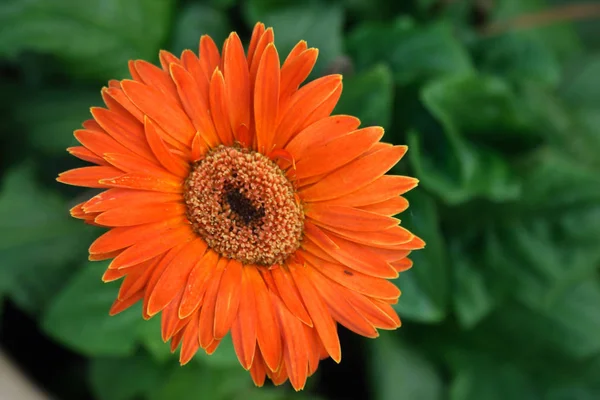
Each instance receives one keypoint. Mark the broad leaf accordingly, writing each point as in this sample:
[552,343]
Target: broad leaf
[318,24]
[414,53]
[369,96]
[195,20]
[39,240]
[57,115]
[78,316]
[480,377]
[397,370]
[425,286]
[94,38]
[124,378]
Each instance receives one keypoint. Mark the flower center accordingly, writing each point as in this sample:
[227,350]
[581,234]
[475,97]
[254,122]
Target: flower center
[242,204]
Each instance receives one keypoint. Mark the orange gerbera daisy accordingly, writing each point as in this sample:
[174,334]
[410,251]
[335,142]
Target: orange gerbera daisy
[236,203]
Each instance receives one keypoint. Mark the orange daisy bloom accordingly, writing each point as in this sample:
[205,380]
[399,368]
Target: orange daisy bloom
[236,203]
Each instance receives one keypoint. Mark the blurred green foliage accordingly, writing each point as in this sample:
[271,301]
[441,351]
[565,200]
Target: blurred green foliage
[504,134]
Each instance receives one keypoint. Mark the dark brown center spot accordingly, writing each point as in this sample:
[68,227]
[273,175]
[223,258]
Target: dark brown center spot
[243,207]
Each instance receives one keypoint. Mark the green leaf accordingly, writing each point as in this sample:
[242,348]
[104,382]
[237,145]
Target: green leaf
[520,56]
[223,357]
[124,378]
[94,38]
[38,240]
[414,53]
[424,287]
[567,328]
[369,96]
[482,107]
[195,20]
[581,86]
[57,114]
[552,235]
[397,370]
[78,316]
[472,298]
[151,339]
[483,378]
[465,172]
[193,382]
[318,24]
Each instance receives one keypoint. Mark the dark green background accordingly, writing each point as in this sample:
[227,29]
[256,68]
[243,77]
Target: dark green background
[504,134]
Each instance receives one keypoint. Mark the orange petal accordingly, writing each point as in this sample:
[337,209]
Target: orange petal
[228,298]
[133,71]
[313,136]
[384,188]
[266,98]
[175,276]
[120,306]
[295,349]
[341,310]
[133,163]
[173,164]
[243,329]
[349,218]
[266,38]
[135,180]
[209,56]
[207,313]
[157,78]
[267,331]
[176,340]
[354,176]
[92,125]
[402,265]
[167,58]
[89,176]
[167,114]
[104,256]
[170,323]
[289,294]
[137,277]
[86,155]
[114,198]
[298,49]
[219,109]
[388,238]
[112,275]
[257,32]
[150,248]
[314,345]
[354,280]
[324,109]
[237,81]
[301,106]
[114,95]
[197,283]
[192,65]
[258,370]
[355,256]
[120,238]
[100,142]
[190,343]
[380,313]
[195,104]
[322,320]
[337,152]
[389,207]
[127,131]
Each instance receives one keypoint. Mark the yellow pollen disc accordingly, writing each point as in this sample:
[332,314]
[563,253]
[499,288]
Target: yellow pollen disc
[243,206]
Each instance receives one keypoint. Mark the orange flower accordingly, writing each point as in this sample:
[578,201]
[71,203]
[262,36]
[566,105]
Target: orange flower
[236,203]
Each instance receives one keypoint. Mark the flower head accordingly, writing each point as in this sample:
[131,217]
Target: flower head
[236,204]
